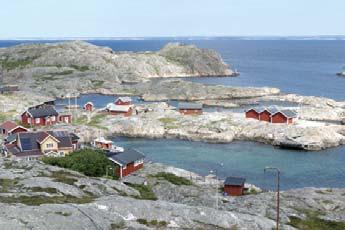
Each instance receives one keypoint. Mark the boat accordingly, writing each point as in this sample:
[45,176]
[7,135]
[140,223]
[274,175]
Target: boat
[235,73]
[107,145]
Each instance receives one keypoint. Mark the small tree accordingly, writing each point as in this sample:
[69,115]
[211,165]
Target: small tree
[87,161]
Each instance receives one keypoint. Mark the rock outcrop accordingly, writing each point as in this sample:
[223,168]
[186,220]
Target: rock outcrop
[38,196]
[82,66]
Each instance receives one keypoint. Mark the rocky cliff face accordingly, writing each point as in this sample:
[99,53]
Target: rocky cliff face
[80,65]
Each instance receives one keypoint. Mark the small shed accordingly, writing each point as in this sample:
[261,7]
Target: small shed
[10,127]
[65,118]
[89,106]
[190,108]
[234,186]
[128,161]
[123,101]
[286,116]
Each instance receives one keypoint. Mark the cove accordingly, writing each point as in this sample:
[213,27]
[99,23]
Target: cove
[247,159]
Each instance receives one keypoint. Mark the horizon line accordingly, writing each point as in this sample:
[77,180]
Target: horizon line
[172,37]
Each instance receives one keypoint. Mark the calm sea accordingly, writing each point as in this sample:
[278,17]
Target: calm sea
[302,67]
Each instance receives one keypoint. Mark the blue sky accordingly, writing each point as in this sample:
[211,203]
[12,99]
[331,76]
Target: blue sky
[140,18]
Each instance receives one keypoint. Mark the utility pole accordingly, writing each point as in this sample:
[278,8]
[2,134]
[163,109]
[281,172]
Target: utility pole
[278,192]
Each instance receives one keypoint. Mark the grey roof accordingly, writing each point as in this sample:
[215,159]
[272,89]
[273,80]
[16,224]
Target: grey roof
[187,105]
[237,181]
[11,138]
[64,138]
[289,113]
[44,111]
[126,157]
[272,110]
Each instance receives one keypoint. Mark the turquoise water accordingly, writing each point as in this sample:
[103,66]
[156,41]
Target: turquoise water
[299,168]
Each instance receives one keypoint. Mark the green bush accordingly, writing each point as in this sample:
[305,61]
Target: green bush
[87,161]
[172,178]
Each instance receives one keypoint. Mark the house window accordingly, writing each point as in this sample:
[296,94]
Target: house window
[52,118]
[138,162]
[50,145]
[37,120]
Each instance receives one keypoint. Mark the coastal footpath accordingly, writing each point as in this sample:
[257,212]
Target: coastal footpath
[38,196]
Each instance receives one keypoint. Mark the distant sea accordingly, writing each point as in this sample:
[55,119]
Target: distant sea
[303,66]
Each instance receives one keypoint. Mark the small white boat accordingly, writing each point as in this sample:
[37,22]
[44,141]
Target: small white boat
[108,145]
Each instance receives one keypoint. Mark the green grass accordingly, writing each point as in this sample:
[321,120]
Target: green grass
[167,120]
[65,72]
[97,83]
[7,184]
[47,190]
[96,120]
[80,120]
[11,64]
[80,68]
[38,200]
[63,177]
[172,178]
[152,223]
[314,222]
[145,191]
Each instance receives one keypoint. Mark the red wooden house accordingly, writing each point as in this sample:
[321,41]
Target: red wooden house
[40,116]
[9,128]
[125,110]
[127,161]
[123,101]
[88,106]
[284,116]
[234,186]
[190,108]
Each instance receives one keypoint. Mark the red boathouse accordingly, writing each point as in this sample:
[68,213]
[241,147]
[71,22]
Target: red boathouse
[127,161]
[234,186]
[190,108]
[284,116]
[125,110]
[252,113]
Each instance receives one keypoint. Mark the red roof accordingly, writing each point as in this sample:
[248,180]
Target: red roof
[8,125]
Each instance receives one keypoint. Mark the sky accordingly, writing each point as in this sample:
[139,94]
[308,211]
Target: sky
[171,18]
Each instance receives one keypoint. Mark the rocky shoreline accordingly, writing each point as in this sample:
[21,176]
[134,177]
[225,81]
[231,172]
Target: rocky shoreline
[57,198]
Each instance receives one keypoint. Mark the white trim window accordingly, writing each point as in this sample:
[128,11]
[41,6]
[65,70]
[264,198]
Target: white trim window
[138,162]
[37,120]
[50,145]
[52,118]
